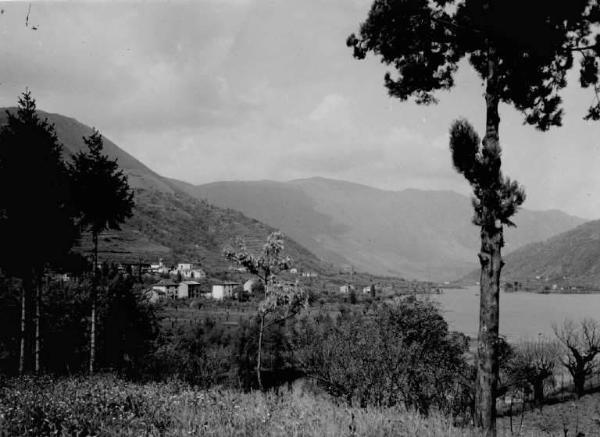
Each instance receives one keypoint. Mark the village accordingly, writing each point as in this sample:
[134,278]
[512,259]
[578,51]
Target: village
[188,280]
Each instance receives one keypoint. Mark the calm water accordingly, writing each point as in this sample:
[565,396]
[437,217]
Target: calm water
[522,315]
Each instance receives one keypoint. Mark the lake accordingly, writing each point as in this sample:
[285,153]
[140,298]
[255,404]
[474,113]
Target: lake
[522,315]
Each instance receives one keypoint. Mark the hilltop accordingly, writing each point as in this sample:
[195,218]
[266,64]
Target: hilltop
[412,233]
[570,258]
[167,222]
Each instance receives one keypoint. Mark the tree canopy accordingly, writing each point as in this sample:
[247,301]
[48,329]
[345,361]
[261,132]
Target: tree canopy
[535,42]
[36,214]
[100,188]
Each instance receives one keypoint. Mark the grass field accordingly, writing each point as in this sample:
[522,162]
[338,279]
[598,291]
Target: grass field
[107,406]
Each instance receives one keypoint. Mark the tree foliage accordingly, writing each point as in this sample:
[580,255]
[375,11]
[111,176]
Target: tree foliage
[36,216]
[392,354]
[496,197]
[536,43]
[100,188]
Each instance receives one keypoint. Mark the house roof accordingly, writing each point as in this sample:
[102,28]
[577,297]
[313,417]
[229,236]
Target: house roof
[166,283]
[226,283]
[189,283]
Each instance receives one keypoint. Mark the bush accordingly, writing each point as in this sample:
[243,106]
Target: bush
[390,354]
[200,356]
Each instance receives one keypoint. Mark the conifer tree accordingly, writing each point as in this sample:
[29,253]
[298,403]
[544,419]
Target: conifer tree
[36,219]
[104,200]
[522,51]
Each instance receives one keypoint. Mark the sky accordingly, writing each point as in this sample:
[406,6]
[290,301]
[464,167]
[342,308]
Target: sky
[266,89]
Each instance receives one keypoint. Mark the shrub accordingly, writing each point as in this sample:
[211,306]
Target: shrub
[391,354]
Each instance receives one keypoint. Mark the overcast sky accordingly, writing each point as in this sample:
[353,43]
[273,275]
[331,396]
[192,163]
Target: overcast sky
[267,89]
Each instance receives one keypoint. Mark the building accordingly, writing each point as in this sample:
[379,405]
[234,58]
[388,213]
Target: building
[309,274]
[189,271]
[159,268]
[167,287]
[369,289]
[294,271]
[222,290]
[188,289]
[346,288]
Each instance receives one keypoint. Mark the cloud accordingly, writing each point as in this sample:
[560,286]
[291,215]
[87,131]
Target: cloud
[249,89]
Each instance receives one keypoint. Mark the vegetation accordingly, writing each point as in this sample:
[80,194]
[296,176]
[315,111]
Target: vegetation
[390,354]
[104,201]
[37,227]
[281,300]
[582,345]
[375,363]
[532,364]
[522,52]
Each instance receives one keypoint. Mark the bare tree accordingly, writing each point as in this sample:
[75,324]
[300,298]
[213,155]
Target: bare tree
[582,344]
[533,362]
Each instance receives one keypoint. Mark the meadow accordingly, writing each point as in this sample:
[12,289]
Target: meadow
[105,405]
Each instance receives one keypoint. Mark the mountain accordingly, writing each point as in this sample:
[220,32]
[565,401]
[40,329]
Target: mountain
[411,233]
[570,258]
[167,222]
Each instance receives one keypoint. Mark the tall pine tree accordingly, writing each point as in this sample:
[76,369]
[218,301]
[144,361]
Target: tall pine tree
[104,200]
[522,52]
[36,219]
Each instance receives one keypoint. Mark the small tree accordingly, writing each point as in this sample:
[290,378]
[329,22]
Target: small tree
[104,200]
[532,363]
[281,301]
[36,222]
[582,344]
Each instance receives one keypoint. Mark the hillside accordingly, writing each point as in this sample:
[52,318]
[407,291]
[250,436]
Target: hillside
[168,222]
[411,233]
[571,258]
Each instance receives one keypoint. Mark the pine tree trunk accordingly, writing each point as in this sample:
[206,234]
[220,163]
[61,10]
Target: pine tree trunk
[23,328]
[38,302]
[93,312]
[259,352]
[491,265]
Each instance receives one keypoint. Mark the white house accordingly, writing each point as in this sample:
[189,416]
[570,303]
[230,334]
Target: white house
[221,290]
[167,287]
[189,271]
[367,290]
[346,288]
[188,289]
[159,268]
[294,271]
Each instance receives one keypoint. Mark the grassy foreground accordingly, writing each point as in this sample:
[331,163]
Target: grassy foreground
[108,406]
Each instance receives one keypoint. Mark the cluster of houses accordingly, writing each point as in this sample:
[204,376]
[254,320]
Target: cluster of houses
[188,287]
[170,289]
[347,288]
[182,283]
[186,270]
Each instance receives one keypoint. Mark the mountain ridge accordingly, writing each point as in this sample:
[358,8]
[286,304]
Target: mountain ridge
[167,222]
[414,233]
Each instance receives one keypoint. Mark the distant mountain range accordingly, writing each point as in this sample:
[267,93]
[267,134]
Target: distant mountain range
[410,233]
[413,234]
[168,222]
[571,258]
